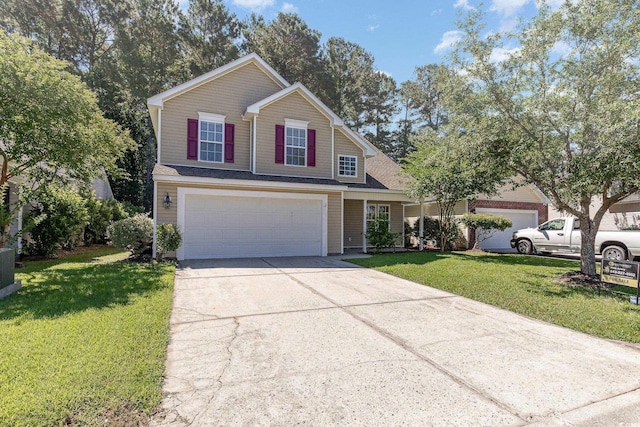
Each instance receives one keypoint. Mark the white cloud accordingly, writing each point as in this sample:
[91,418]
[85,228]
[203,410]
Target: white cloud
[554,4]
[508,7]
[464,4]
[386,73]
[371,28]
[254,4]
[436,12]
[448,39]
[288,8]
[499,54]
[561,48]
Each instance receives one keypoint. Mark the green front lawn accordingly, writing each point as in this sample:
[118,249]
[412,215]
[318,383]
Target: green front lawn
[84,341]
[522,284]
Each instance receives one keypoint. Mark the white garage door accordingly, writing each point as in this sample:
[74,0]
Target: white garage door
[234,227]
[520,219]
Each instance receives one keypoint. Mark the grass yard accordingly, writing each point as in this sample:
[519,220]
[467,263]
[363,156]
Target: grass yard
[84,341]
[522,284]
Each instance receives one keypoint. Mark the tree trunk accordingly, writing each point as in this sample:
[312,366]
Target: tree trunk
[587,248]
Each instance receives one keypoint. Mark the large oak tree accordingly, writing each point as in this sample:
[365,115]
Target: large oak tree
[558,101]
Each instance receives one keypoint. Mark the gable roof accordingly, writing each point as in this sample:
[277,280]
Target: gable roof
[384,173]
[254,109]
[156,102]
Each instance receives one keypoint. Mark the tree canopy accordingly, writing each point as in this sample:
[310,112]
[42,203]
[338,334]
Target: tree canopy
[51,129]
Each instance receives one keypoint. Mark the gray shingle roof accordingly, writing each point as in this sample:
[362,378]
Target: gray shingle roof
[235,174]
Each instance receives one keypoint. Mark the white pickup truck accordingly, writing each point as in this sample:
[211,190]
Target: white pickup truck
[563,235]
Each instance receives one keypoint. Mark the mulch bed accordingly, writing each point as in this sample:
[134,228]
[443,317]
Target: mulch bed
[578,279]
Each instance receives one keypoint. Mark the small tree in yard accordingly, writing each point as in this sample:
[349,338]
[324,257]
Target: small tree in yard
[445,173]
[168,239]
[485,225]
[379,236]
[134,234]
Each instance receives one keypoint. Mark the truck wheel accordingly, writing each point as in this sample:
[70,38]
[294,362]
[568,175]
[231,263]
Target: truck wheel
[615,253]
[524,246]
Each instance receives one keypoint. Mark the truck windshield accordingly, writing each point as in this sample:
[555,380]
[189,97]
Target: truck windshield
[553,225]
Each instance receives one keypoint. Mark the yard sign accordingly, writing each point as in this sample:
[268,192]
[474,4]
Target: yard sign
[625,273]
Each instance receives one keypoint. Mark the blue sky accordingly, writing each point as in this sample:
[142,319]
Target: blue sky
[401,34]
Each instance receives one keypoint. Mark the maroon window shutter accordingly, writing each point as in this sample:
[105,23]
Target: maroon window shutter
[229,135]
[311,147]
[192,139]
[279,144]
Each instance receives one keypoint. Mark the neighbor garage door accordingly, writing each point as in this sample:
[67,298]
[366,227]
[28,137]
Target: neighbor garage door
[520,219]
[220,226]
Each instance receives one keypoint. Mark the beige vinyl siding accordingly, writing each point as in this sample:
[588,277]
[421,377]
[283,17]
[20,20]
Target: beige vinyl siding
[344,146]
[353,217]
[431,209]
[334,223]
[170,216]
[397,221]
[293,106]
[228,95]
[523,193]
[164,215]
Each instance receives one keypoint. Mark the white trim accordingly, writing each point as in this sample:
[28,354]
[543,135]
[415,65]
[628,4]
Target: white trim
[348,176]
[404,240]
[421,228]
[294,123]
[211,117]
[247,183]
[159,137]
[306,143]
[341,223]
[364,225]
[158,100]
[306,93]
[183,192]
[215,119]
[255,142]
[20,212]
[155,218]
[333,152]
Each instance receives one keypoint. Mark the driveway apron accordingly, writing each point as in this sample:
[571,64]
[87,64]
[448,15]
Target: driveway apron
[318,341]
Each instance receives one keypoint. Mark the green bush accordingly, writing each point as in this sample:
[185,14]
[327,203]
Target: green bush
[433,231]
[379,236]
[101,214]
[485,225]
[134,233]
[168,239]
[56,221]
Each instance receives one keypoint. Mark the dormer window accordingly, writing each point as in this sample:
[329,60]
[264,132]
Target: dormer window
[347,166]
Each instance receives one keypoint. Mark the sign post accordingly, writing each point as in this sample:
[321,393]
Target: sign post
[624,273]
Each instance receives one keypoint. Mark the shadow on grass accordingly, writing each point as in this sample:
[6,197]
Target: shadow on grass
[55,290]
[419,258]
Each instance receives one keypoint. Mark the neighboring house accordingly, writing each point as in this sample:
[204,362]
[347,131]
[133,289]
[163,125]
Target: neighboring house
[623,215]
[100,186]
[251,166]
[525,205]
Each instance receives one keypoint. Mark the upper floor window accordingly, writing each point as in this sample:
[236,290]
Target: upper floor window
[295,142]
[347,166]
[211,138]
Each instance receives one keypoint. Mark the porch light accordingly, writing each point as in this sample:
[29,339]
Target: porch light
[167,201]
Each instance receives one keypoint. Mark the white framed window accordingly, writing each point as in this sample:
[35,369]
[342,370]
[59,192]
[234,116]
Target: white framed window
[211,138]
[379,212]
[347,166]
[295,142]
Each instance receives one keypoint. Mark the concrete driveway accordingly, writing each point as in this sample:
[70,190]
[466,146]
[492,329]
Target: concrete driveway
[317,341]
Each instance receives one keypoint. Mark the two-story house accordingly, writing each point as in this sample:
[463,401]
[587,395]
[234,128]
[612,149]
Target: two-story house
[250,166]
